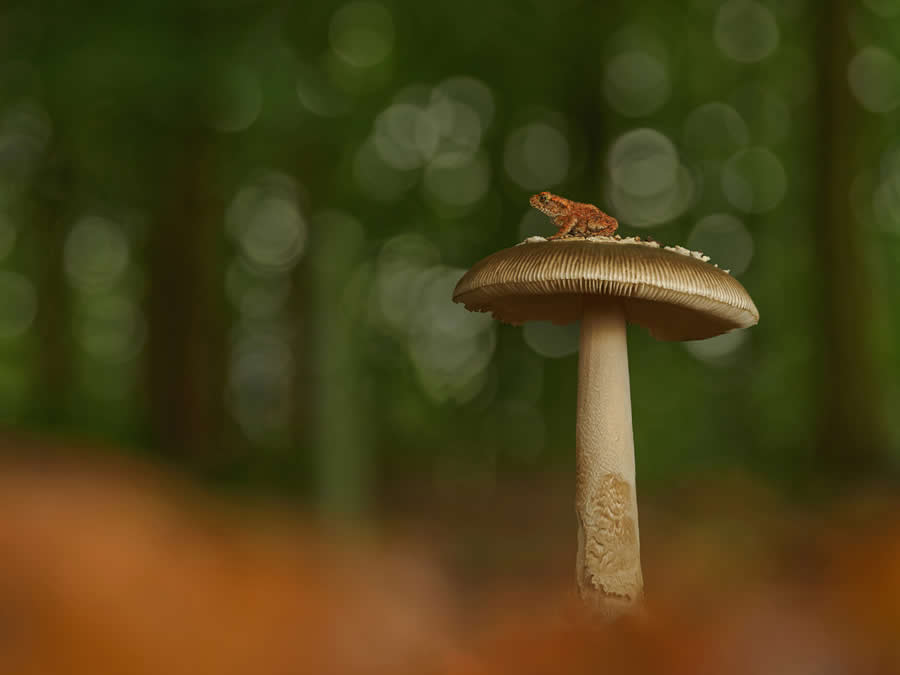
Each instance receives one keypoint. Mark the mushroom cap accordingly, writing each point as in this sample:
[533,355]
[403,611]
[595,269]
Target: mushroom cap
[675,296]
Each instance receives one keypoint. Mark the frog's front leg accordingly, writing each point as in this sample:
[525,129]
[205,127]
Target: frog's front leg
[565,225]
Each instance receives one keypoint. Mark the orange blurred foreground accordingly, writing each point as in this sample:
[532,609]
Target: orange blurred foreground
[104,570]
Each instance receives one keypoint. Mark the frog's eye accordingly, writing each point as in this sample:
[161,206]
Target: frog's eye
[545,197]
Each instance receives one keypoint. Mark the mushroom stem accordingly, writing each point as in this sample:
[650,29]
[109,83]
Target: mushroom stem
[608,566]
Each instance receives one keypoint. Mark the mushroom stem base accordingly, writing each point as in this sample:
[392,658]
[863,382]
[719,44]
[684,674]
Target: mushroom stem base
[608,566]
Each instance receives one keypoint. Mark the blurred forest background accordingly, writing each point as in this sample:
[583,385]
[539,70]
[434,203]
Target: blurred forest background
[230,230]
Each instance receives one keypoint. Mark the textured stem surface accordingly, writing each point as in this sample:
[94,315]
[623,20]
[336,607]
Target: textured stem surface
[608,567]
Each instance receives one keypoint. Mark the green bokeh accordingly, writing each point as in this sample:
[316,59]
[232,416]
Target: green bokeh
[296,188]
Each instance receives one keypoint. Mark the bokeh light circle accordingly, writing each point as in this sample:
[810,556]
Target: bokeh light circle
[265,220]
[886,205]
[715,131]
[746,31]
[317,93]
[96,254]
[260,384]
[536,156]
[717,351]
[400,262]
[874,76]
[362,33]
[643,162]
[655,209]
[551,341]
[470,92]
[25,132]
[457,179]
[754,180]
[449,346]
[636,83]
[237,100]
[254,296]
[111,329]
[405,136]
[275,236]
[725,240]
[461,127]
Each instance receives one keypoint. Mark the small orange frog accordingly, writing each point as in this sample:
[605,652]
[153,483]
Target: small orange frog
[584,220]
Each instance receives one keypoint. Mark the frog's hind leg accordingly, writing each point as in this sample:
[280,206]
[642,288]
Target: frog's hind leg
[606,227]
[609,230]
[565,225]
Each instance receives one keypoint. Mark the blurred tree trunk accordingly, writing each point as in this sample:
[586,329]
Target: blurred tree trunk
[852,433]
[186,355]
[51,215]
[341,420]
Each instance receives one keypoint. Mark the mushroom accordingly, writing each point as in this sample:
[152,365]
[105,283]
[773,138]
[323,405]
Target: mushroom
[606,282]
